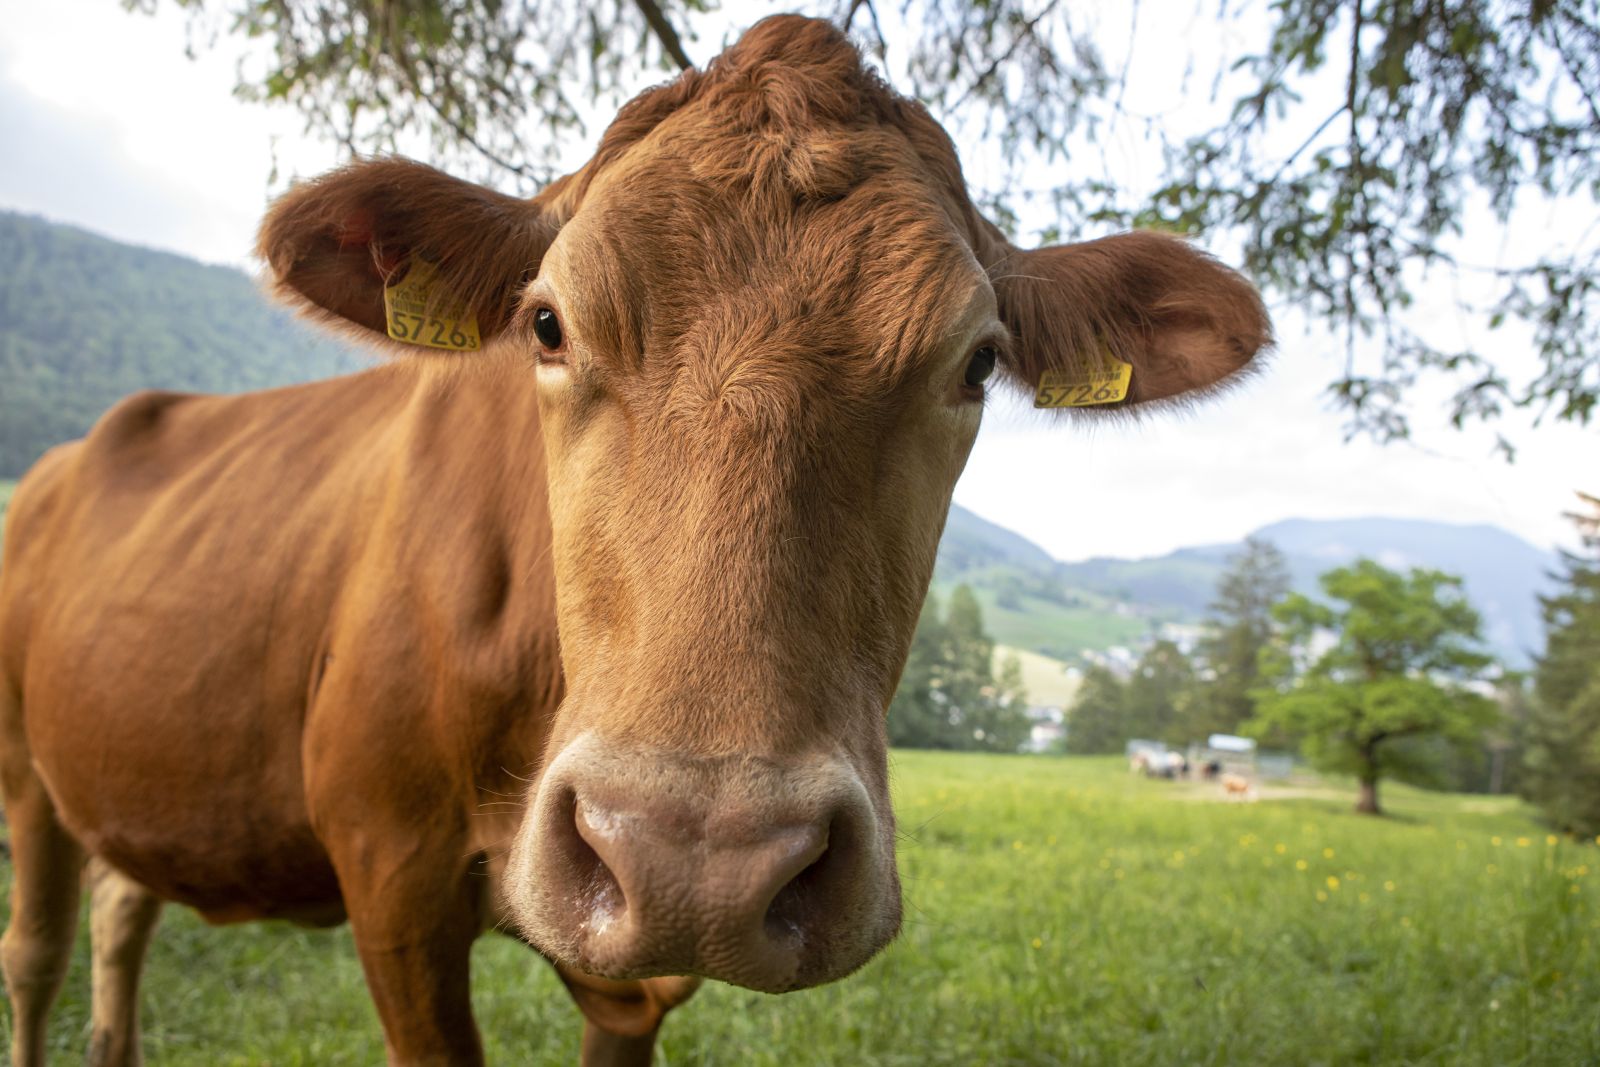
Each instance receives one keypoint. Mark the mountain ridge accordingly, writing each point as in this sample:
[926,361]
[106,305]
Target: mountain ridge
[1502,573]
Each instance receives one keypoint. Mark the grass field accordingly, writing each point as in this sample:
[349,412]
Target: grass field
[1058,911]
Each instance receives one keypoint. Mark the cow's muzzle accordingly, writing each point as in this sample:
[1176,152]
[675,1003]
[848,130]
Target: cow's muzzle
[770,876]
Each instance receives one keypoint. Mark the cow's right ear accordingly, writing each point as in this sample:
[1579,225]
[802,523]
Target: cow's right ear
[333,244]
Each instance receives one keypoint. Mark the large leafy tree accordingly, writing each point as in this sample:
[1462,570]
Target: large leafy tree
[1352,140]
[1561,771]
[1256,578]
[1386,657]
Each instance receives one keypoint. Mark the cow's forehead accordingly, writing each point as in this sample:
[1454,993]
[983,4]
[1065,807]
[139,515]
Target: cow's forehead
[878,271]
[880,258]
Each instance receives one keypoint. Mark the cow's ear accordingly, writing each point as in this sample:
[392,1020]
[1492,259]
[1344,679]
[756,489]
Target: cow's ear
[1184,322]
[333,244]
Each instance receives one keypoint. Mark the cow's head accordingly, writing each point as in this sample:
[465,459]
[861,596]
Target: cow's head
[761,324]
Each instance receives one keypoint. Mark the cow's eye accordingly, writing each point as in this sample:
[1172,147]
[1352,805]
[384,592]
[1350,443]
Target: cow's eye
[981,366]
[547,328]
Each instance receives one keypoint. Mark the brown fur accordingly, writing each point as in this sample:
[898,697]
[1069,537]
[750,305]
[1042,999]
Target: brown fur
[295,653]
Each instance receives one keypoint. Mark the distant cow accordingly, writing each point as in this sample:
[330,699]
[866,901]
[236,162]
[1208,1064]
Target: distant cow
[287,654]
[1237,787]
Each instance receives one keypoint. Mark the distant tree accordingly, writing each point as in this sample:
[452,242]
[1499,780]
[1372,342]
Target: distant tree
[916,718]
[1391,657]
[1002,717]
[1097,720]
[1561,764]
[1158,693]
[948,695]
[1256,578]
[983,716]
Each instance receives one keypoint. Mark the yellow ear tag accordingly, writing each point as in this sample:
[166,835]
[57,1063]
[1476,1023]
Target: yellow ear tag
[415,316]
[1103,382]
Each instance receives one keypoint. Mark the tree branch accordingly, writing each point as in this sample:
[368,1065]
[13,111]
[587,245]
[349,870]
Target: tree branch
[877,27]
[1016,42]
[664,32]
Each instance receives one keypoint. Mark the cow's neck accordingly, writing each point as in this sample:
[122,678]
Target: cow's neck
[470,497]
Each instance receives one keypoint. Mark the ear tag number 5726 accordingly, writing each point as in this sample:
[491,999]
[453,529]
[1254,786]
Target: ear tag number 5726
[413,313]
[1105,382]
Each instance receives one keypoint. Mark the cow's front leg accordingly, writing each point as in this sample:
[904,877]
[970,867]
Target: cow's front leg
[122,916]
[621,1019]
[414,914]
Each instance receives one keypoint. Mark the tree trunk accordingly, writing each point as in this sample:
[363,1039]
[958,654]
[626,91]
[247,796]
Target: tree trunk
[1367,801]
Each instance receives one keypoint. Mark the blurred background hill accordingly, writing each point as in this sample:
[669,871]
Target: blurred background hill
[85,320]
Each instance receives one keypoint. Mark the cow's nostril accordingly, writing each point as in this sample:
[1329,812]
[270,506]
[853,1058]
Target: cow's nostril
[789,914]
[598,895]
[799,904]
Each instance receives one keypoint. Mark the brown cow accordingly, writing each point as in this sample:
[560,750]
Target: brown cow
[287,654]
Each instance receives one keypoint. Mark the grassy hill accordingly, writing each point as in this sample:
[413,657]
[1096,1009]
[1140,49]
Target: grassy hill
[1045,679]
[1050,626]
[85,320]
[1057,912]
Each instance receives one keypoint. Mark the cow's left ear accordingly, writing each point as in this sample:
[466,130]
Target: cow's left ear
[334,244]
[1185,322]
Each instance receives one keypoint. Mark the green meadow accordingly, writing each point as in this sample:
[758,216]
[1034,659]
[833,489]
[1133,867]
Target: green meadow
[1057,911]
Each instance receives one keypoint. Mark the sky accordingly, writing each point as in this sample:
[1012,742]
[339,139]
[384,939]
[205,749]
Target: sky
[126,136]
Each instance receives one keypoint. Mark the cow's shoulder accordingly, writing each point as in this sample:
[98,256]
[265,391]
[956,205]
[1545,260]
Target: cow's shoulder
[156,431]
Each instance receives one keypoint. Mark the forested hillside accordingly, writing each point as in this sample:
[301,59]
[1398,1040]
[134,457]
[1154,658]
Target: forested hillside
[85,320]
